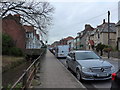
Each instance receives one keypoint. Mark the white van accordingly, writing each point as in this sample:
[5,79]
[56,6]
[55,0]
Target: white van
[61,51]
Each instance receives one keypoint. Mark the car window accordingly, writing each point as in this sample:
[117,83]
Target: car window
[71,55]
[68,54]
[86,55]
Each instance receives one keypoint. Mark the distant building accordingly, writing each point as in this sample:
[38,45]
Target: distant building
[32,39]
[79,37]
[55,44]
[65,40]
[83,37]
[118,35]
[70,42]
[11,25]
[100,35]
[103,34]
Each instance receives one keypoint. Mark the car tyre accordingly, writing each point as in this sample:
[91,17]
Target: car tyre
[78,75]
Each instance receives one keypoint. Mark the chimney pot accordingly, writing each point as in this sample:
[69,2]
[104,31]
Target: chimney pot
[103,21]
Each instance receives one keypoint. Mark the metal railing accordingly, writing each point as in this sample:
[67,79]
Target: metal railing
[25,79]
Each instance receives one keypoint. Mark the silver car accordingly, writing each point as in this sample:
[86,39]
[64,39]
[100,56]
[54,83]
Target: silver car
[89,66]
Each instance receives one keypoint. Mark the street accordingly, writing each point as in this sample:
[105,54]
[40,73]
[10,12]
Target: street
[97,84]
[35,34]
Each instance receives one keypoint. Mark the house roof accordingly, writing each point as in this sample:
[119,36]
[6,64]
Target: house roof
[29,28]
[77,37]
[91,42]
[118,24]
[104,27]
[88,27]
[69,38]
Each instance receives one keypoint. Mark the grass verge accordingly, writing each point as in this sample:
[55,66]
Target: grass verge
[9,62]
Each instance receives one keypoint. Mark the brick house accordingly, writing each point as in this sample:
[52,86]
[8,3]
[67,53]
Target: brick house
[65,40]
[11,25]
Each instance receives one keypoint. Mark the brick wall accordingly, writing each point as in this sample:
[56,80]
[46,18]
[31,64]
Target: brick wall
[15,30]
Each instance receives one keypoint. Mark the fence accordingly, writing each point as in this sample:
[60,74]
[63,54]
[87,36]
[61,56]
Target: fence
[24,81]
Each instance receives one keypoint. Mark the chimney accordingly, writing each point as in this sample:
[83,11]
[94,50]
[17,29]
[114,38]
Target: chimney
[17,17]
[103,21]
[87,26]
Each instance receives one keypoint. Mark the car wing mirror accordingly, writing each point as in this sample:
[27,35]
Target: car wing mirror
[100,57]
[73,59]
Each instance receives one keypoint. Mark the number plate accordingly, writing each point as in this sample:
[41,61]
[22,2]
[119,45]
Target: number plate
[102,75]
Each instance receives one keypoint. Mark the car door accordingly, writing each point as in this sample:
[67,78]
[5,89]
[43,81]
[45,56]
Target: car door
[70,60]
[73,62]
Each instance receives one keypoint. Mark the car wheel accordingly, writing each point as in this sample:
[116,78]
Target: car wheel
[78,75]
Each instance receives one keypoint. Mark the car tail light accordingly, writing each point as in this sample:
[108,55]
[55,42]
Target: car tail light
[113,76]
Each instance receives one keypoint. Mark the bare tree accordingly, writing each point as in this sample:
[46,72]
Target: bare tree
[37,14]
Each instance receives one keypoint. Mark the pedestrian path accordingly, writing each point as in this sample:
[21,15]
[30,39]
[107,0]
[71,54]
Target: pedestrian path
[111,58]
[54,75]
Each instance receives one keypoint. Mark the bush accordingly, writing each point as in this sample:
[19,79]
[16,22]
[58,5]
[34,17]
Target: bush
[15,51]
[107,49]
[7,42]
[8,47]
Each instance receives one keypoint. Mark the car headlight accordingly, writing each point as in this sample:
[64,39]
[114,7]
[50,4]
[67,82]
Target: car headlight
[112,69]
[84,69]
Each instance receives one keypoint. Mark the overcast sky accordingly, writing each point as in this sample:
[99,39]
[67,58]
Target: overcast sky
[70,17]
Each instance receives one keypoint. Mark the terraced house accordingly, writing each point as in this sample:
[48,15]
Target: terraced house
[118,35]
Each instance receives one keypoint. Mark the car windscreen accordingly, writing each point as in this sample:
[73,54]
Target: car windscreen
[86,55]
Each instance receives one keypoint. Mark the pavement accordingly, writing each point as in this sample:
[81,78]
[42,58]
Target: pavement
[111,58]
[53,74]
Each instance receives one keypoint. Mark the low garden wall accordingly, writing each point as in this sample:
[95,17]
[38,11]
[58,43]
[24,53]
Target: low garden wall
[115,54]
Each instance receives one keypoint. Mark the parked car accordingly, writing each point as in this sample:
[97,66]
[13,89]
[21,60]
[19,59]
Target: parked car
[52,50]
[89,66]
[115,81]
[61,51]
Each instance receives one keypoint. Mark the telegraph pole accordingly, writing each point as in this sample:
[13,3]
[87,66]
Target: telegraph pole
[108,32]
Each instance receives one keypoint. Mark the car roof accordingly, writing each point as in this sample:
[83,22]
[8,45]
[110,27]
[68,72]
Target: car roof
[81,51]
